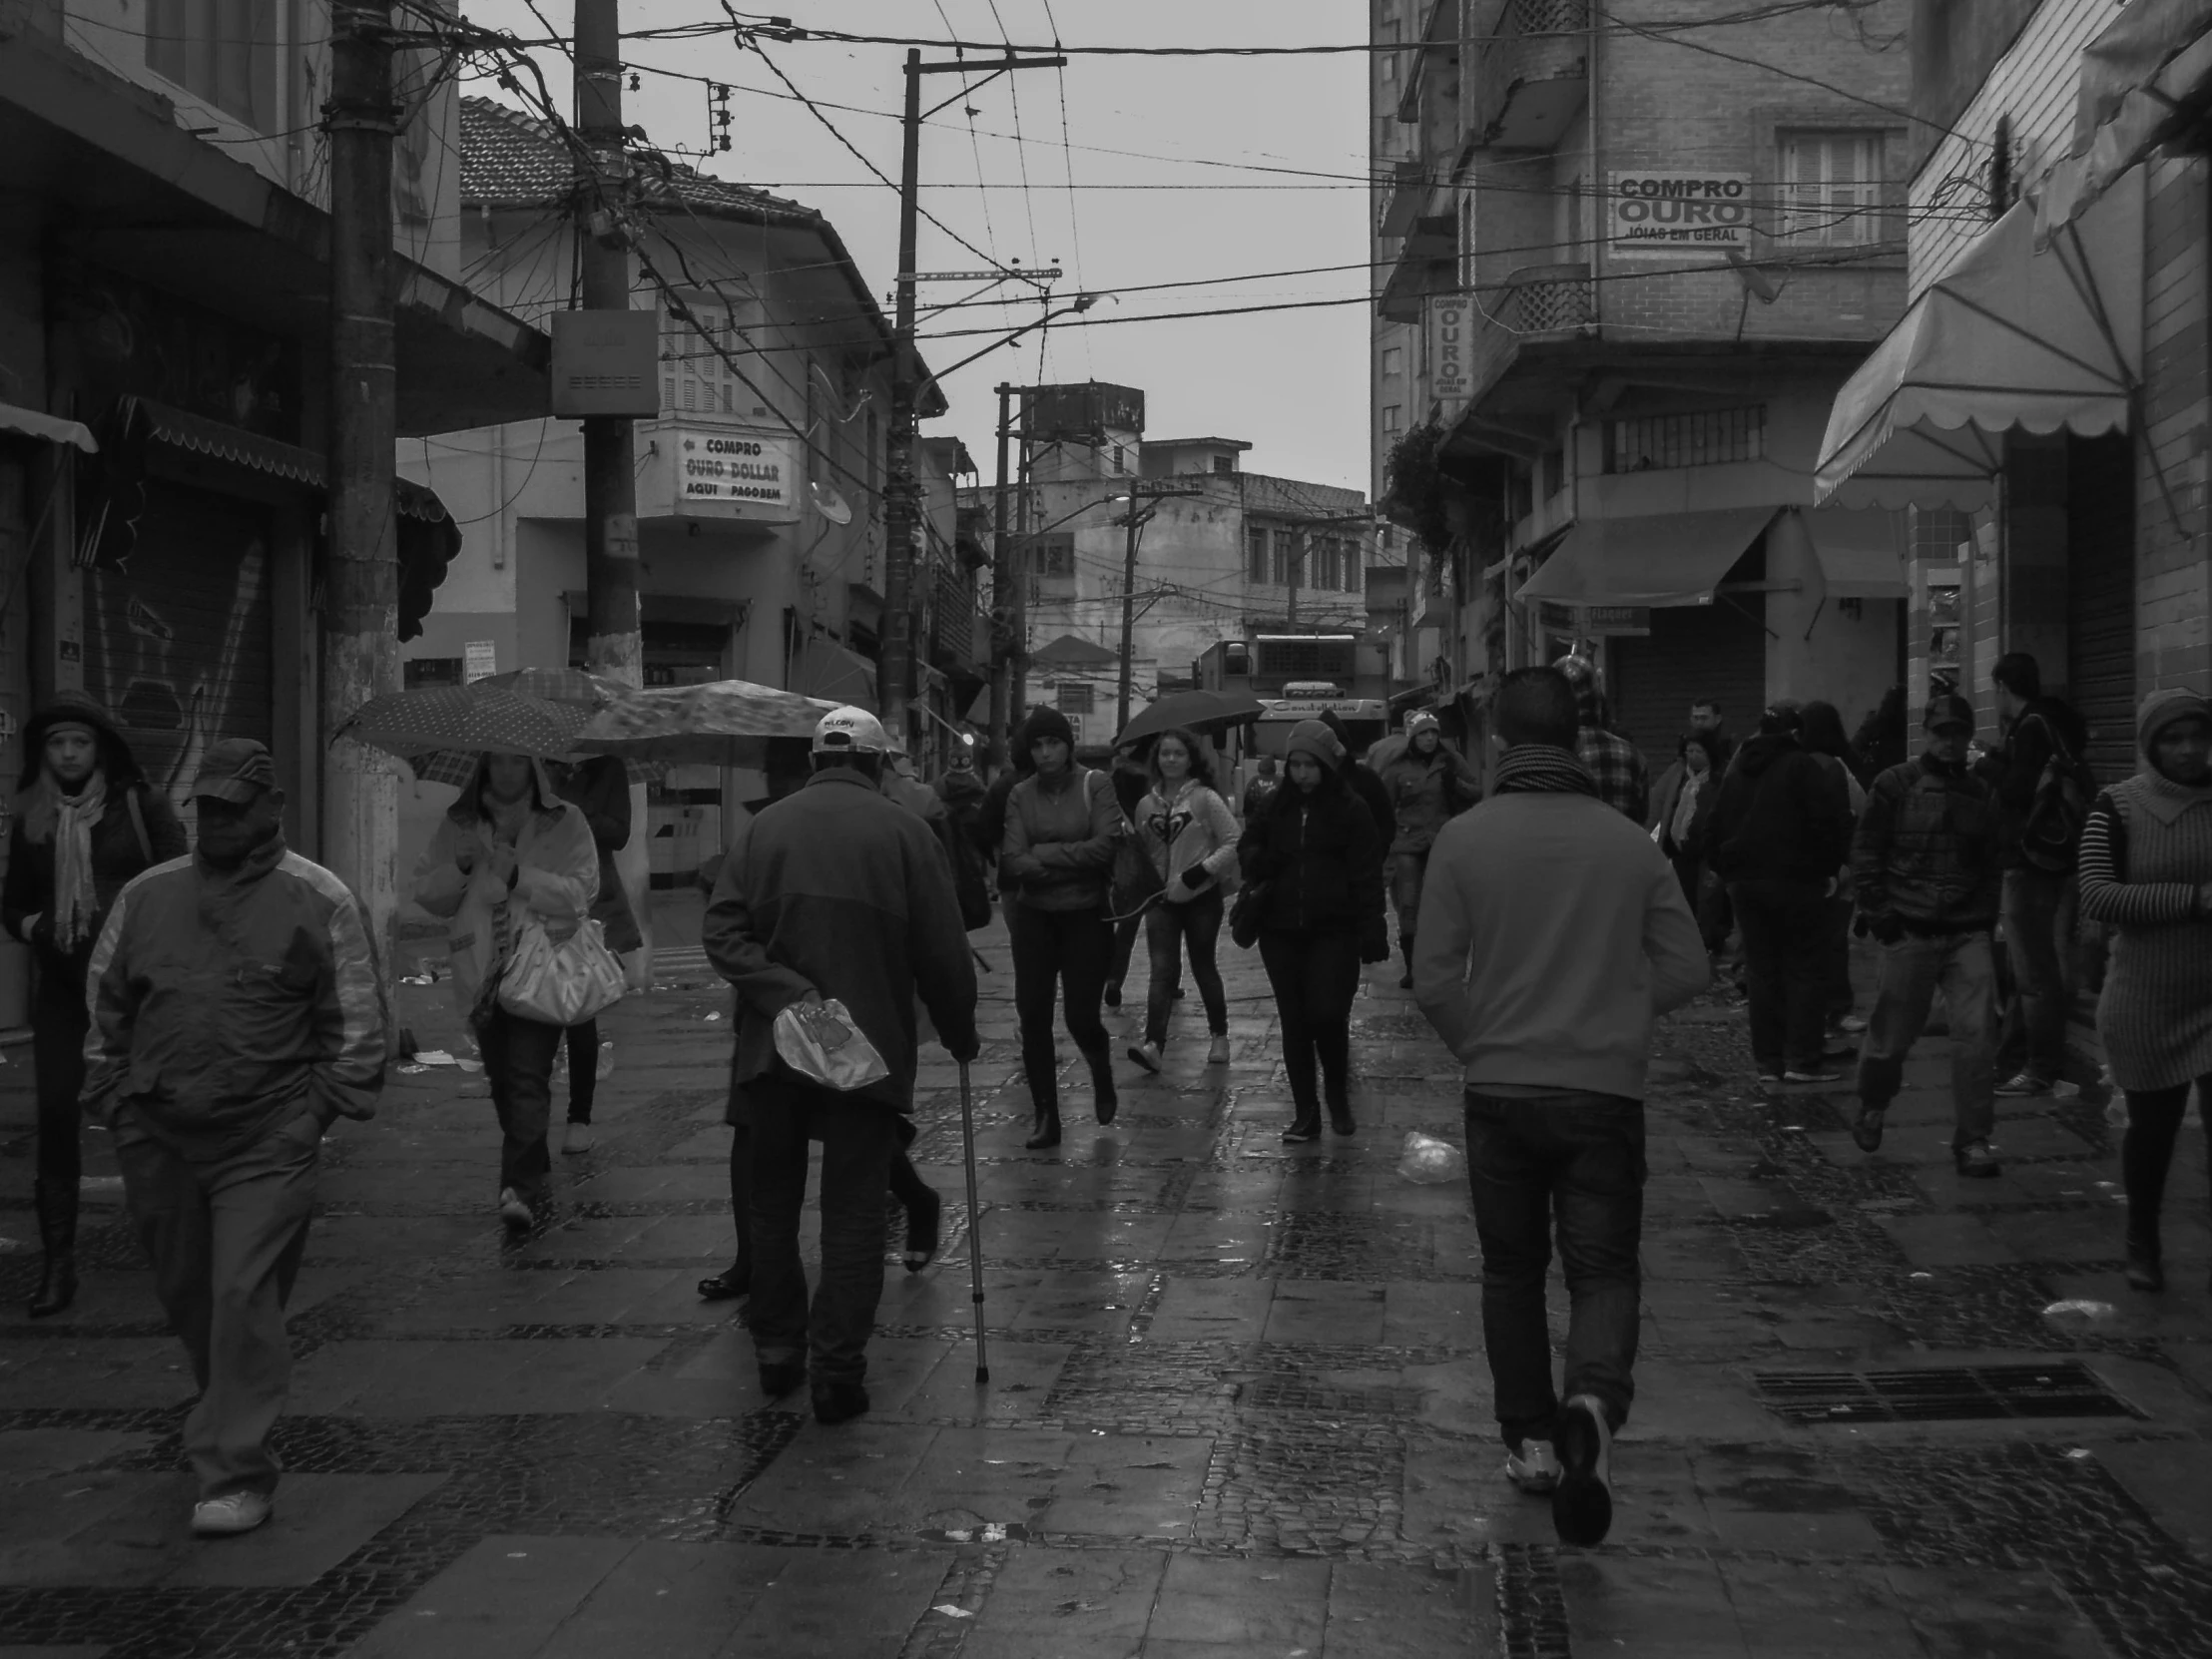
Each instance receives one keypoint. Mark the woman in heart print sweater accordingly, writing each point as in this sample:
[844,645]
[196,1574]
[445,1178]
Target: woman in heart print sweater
[1192,836]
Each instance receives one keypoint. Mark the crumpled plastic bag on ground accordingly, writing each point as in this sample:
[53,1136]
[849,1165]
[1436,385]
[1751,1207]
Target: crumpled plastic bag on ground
[822,1041]
[2081,1311]
[1431,1161]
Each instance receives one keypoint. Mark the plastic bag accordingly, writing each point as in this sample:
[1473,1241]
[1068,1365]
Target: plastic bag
[1430,1161]
[822,1042]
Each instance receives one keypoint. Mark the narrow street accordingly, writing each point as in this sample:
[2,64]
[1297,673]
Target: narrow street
[1238,1403]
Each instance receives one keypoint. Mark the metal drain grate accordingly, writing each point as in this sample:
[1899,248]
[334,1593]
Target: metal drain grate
[1939,1394]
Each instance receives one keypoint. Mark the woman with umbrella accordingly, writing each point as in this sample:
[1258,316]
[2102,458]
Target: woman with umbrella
[509,853]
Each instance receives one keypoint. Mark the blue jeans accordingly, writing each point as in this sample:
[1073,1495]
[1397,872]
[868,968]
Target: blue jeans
[1166,928]
[2038,936]
[1579,1157]
[1912,970]
[858,1138]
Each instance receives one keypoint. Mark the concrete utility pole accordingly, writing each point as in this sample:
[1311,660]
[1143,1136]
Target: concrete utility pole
[1003,582]
[360,617]
[1129,609]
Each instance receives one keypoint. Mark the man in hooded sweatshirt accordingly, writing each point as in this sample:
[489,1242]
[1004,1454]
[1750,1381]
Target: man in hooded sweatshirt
[1553,932]
[1614,764]
[237,1010]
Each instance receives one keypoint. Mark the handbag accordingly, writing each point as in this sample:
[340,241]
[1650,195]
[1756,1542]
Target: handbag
[565,983]
[1245,914]
[1134,882]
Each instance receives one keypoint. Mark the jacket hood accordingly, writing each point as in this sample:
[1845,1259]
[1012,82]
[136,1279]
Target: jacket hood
[463,809]
[74,707]
[1045,723]
[1760,753]
[1313,736]
[2161,708]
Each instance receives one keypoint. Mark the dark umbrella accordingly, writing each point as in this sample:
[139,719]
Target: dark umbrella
[1194,711]
[446,719]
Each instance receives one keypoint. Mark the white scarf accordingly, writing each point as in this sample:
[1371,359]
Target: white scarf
[75,893]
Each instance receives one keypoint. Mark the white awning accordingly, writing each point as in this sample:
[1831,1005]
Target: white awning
[31,424]
[2013,338]
[1861,551]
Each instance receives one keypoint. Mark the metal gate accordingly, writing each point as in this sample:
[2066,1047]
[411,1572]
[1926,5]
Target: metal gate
[2100,598]
[1705,651]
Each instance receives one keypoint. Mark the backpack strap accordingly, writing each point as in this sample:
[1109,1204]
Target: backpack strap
[138,823]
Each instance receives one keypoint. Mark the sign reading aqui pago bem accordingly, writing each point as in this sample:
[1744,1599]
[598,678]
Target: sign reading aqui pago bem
[1680,215]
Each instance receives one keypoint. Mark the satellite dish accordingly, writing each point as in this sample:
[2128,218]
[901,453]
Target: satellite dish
[831,504]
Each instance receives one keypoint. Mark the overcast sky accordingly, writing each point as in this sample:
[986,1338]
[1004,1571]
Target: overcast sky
[1292,383]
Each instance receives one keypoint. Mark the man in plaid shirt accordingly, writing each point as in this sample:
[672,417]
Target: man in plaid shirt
[1622,781]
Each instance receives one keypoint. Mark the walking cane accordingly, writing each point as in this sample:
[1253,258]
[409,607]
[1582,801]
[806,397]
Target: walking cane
[974,1225]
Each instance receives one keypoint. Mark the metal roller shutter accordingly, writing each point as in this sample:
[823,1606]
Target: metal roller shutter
[2100,599]
[1714,651]
[178,646]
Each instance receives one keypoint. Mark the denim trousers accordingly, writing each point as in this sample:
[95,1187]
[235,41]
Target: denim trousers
[226,1236]
[1407,871]
[1577,1160]
[857,1137]
[1785,972]
[518,1064]
[1064,954]
[1912,971]
[2038,914]
[1167,927]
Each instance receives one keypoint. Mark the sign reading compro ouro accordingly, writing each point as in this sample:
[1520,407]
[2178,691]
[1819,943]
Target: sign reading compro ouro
[1679,213]
[1450,358]
[722,472]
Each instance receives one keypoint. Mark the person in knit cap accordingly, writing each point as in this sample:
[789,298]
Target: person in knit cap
[2146,872]
[85,822]
[1428,785]
[1318,852]
[1614,764]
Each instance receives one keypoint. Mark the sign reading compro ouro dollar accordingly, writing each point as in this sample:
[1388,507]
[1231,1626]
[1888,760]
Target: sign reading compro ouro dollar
[1683,215]
[728,472]
[1451,354]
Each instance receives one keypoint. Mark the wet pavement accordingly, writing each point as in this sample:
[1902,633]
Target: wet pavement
[1237,1402]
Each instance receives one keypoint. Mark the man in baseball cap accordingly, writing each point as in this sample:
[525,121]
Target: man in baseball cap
[1929,863]
[237,1012]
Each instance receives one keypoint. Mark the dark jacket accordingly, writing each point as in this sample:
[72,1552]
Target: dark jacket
[2016,767]
[1323,859]
[1782,815]
[600,789]
[1058,851]
[991,821]
[117,852]
[1929,851]
[965,798]
[839,890]
[1423,794]
[225,1001]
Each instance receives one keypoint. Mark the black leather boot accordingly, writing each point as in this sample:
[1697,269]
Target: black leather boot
[57,1232]
[2146,1269]
[1405,947]
[1106,1100]
[1046,1130]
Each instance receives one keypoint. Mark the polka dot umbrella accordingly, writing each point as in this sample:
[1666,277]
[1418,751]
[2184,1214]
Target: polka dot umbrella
[441,730]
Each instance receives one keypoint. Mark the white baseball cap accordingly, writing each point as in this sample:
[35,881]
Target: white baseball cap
[850,731]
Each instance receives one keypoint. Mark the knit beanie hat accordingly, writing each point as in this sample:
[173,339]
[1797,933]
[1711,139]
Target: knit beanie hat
[1047,723]
[2161,708]
[1312,738]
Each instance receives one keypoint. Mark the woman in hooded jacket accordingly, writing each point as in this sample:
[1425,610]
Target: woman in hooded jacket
[1318,852]
[509,851]
[86,822]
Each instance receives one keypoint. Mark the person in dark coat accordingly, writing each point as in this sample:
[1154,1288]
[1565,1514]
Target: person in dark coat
[599,787]
[835,894]
[86,822]
[1132,776]
[964,794]
[1426,786]
[991,823]
[1317,850]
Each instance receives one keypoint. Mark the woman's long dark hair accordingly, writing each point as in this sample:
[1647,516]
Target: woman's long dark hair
[1202,759]
[1822,732]
[1705,741]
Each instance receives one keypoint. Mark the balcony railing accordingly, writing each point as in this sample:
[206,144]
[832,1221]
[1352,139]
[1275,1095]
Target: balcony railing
[1548,300]
[1529,82]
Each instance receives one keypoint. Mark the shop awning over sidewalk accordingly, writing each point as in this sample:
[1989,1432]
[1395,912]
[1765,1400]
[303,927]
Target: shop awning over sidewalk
[1860,551]
[2145,78]
[1662,560]
[2013,338]
[824,668]
[30,423]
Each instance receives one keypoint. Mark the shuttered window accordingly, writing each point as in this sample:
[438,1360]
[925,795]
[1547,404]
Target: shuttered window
[1832,189]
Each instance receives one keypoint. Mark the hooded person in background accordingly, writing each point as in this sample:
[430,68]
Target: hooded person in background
[1613,763]
[85,822]
[599,787]
[964,794]
[1427,784]
[1316,850]
[1262,789]
[1363,781]
[237,1012]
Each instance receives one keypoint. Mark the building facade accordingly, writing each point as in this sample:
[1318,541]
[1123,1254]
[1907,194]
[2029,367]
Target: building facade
[1621,274]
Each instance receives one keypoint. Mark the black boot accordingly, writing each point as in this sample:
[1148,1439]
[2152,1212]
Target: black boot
[1105,1101]
[1306,1126]
[57,1232]
[1405,947]
[734,1281]
[2145,1268]
[1339,1117]
[1046,1130]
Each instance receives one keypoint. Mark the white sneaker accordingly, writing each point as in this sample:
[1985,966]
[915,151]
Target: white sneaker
[1582,1502]
[1853,1023]
[1535,1467]
[232,1512]
[578,1137]
[1217,1052]
[513,1209]
[1146,1055]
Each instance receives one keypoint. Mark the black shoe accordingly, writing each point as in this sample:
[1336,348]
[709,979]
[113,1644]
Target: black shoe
[57,1232]
[1582,1502]
[1176,995]
[1405,980]
[1977,1162]
[1111,997]
[734,1281]
[1867,1132]
[838,1401]
[1104,1100]
[921,1233]
[2145,1272]
[1301,1130]
[1046,1131]
[781,1377]
[1339,1119]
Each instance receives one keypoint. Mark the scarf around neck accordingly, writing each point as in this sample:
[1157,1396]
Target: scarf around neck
[1539,768]
[76,891]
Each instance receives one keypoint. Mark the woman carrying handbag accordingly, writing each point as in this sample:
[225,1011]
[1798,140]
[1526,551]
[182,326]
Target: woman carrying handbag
[514,868]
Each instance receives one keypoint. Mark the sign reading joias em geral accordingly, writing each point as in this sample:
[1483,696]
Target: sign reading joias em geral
[1679,213]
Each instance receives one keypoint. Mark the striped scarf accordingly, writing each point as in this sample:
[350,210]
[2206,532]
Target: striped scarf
[76,888]
[1539,768]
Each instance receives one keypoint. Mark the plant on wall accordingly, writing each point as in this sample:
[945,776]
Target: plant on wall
[1415,486]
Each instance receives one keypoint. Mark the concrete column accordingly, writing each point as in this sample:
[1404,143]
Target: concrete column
[1795,607]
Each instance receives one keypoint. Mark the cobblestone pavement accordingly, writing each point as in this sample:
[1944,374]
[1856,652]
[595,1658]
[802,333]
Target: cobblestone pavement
[1237,1403]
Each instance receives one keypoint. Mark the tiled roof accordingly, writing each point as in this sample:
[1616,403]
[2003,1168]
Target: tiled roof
[514,160]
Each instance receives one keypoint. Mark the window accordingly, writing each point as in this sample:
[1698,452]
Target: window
[1705,439]
[1286,557]
[418,672]
[1387,35]
[1393,359]
[1255,555]
[1121,460]
[1392,418]
[1353,573]
[1052,568]
[1938,533]
[1073,697]
[1831,189]
[1225,463]
[222,51]
[696,375]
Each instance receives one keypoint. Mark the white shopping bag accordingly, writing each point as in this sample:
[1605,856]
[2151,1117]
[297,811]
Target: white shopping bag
[822,1042]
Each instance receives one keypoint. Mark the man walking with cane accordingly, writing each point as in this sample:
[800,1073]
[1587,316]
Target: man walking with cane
[1552,931]
[833,893]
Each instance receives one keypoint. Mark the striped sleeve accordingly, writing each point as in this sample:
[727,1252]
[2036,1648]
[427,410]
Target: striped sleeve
[2106,895]
[354,1015]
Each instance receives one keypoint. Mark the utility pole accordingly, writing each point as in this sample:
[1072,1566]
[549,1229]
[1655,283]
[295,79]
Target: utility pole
[1129,607]
[1003,579]
[360,617]
[1298,550]
[901,491]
